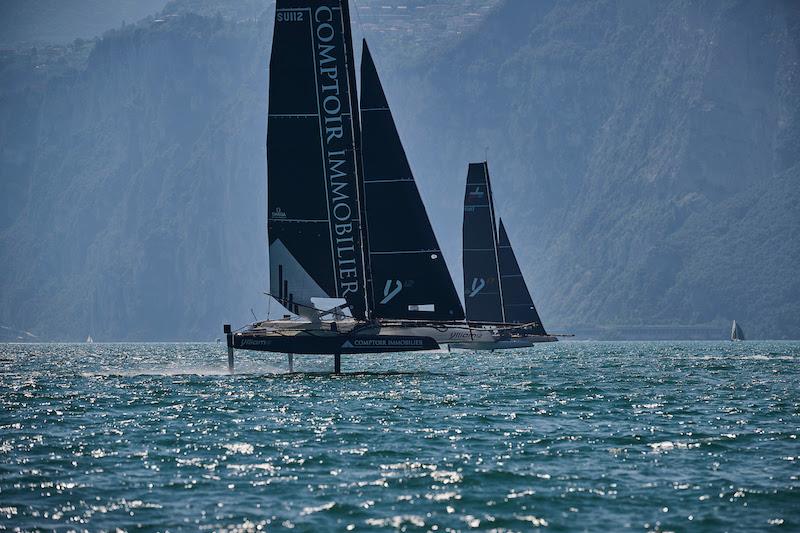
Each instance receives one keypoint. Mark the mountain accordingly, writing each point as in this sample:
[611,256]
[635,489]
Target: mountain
[63,21]
[644,157]
[135,186]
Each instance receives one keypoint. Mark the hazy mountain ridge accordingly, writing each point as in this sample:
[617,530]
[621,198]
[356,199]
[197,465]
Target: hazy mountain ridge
[121,232]
[644,156]
[613,129]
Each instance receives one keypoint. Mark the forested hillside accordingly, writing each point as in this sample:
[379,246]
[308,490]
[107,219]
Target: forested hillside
[134,187]
[645,157]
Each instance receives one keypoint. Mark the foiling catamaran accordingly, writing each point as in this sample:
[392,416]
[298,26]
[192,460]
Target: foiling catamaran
[352,254]
[495,292]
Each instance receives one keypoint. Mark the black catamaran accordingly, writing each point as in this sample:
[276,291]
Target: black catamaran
[353,257]
[495,291]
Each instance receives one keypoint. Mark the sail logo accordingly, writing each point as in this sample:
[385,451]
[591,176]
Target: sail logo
[334,107]
[278,213]
[477,286]
[389,292]
[290,16]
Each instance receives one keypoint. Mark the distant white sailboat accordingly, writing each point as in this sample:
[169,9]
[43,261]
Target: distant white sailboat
[736,332]
[89,340]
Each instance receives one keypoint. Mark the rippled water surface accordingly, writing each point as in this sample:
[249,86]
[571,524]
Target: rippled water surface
[571,436]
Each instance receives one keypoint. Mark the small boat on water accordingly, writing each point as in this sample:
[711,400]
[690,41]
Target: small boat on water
[736,332]
[495,292]
[353,259]
[89,340]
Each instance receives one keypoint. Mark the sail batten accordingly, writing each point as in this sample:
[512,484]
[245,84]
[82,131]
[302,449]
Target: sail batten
[410,276]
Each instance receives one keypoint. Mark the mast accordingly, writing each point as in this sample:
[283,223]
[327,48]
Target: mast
[350,59]
[494,236]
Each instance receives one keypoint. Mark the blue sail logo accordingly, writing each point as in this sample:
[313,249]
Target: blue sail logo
[477,286]
[389,292]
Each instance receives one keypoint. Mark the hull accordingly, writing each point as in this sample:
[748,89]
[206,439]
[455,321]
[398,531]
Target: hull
[305,342]
[505,344]
[352,337]
[445,334]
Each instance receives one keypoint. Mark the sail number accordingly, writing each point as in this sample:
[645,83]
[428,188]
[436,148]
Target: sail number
[290,16]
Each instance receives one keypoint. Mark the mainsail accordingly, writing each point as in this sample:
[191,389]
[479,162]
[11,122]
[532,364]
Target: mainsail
[517,302]
[409,275]
[314,208]
[482,295]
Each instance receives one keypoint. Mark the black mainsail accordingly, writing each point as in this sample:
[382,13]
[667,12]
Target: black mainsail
[314,186]
[494,288]
[483,298]
[518,305]
[410,279]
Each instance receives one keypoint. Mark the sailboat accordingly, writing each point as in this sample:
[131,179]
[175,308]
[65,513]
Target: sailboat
[89,340]
[495,291]
[736,332]
[353,258]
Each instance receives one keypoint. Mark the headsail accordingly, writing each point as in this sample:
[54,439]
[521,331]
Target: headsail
[314,208]
[482,295]
[517,301]
[410,278]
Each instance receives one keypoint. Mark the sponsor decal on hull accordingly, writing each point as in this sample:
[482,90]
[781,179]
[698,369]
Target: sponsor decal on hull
[255,342]
[387,343]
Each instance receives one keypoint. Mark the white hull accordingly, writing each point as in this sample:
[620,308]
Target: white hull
[505,343]
[445,334]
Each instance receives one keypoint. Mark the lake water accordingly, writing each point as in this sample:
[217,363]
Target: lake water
[567,436]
